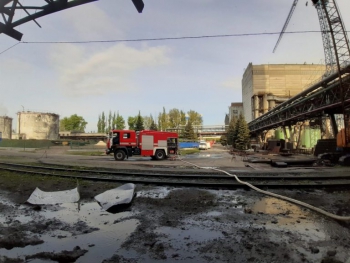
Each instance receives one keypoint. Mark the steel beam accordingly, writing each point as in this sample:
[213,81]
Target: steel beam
[8,7]
[326,96]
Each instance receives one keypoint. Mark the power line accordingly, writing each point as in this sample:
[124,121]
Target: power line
[10,48]
[165,38]
[160,38]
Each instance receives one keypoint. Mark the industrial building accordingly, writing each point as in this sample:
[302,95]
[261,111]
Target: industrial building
[6,127]
[268,85]
[38,125]
[235,110]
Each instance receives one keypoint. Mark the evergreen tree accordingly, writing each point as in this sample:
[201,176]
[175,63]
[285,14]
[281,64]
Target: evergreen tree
[153,126]
[189,133]
[231,131]
[139,123]
[235,132]
[223,140]
[241,136]
[119,122]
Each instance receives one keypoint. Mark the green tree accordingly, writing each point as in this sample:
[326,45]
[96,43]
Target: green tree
[131,122]
[241,135]
[194,117]
[223,140]
[153,126]
[189,133]
[183,118]
[114,121]
[103,122]
[119,122]
[109,127]
[147,121]
[231,131]
[174,118]
[163,122]
[139,123]
[99,124]
[73,123]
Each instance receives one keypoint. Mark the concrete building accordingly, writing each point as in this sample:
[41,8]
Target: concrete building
[235,110]
[6,127]
[266,86]
[37,125]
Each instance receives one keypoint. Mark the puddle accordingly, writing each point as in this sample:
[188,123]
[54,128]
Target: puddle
[192,234]
[197,156]
[101,244]
[214,213]
[289,217]
[183,238]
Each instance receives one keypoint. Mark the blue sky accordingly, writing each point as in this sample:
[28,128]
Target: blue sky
[194,74]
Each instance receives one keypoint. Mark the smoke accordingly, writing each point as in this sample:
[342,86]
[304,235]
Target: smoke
[3,110]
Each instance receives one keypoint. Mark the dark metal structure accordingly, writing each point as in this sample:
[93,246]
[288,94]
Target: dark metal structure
[286,24]
[329,96]
[324,97]
[41,8]
[204,130]
[334,37]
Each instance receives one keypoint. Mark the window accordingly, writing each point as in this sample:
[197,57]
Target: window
[126,136]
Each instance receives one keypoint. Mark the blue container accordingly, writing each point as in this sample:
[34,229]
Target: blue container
[188,145]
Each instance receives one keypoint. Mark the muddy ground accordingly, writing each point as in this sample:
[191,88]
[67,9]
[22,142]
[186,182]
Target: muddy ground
[166,224]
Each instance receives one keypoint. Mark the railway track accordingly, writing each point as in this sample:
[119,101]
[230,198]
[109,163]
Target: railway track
[208,180]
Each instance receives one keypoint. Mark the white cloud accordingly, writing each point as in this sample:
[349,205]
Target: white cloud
[82,72]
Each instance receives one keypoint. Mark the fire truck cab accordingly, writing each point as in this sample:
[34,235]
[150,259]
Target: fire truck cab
[156,144]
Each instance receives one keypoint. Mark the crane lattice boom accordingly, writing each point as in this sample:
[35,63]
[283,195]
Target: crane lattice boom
[286,23]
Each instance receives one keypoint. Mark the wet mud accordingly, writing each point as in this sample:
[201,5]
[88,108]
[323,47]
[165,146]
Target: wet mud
[167,224]
[171,225]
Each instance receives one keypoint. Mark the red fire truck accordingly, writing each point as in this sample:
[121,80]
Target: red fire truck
[156,144]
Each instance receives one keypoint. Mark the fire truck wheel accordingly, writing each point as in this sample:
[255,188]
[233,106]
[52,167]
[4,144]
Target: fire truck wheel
[160,155]
[119,155]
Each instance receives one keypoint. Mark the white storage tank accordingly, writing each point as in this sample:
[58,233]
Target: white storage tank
[38,125]
[6,127]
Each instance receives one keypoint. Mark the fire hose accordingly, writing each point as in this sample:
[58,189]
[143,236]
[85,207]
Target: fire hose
[294,201]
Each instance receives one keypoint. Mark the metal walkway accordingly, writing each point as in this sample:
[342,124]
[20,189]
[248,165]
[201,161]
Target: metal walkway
[325,97]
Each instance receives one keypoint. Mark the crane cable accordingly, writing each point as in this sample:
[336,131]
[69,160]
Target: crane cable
[313,208]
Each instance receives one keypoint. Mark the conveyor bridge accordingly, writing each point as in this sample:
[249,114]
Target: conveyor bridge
[328,96]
